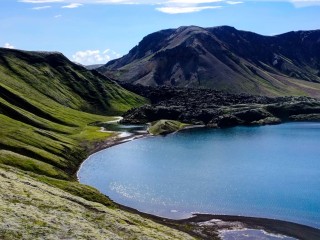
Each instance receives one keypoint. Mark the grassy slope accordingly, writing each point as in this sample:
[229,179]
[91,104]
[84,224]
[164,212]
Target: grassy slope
[165,126]
[48,79]
[46,212]
[46,114]
[42,99]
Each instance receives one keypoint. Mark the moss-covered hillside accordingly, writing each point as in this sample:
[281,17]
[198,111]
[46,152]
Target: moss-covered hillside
[164,126]
[48,110]
[30,209]
[49,78]
[45,102]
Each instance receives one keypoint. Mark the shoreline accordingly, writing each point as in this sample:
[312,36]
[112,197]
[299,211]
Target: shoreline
[192,225]
[276,226]
[110,142]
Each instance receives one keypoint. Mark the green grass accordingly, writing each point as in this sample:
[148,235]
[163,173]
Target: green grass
[54,151]
[47,107]
[50,110]
[52,80]
[52,209]
[164,126]
[77,189]
[30,165]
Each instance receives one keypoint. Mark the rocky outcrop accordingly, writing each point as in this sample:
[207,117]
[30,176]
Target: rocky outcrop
[218,109]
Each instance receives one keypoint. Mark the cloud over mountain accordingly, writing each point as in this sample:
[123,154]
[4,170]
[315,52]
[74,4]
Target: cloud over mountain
[88,57]
[8,45]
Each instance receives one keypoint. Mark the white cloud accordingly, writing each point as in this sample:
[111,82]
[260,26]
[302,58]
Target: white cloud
[188,2]
[305,3]
[72,5]
[146,2]
[176,10]
[93,1]
[8,45]
[171,6]
[187,6]
[106,51]
[166,6]
[41,1]
[89,57]
[152,2]
[58,16]
[41,8]
[233,2]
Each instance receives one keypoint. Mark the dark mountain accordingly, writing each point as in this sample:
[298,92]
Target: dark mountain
[224,58]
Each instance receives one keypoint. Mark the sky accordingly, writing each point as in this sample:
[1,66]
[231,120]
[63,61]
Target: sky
[96,31]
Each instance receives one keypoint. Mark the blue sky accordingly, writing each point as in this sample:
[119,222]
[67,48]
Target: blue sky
[95,31]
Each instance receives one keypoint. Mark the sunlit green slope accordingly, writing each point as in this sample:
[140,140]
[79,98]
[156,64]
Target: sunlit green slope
[48,110]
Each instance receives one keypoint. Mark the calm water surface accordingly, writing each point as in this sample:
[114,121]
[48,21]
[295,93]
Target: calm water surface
[270,171]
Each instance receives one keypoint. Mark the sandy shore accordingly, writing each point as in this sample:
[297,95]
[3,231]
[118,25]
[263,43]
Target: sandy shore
[194,225]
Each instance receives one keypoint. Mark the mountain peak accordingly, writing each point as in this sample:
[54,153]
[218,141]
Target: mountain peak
[224,58]
[190,28]
[223,28]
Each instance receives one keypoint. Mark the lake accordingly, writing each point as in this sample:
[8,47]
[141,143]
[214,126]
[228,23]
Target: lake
[269,171]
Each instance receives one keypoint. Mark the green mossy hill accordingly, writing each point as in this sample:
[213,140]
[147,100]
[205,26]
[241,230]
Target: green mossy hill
[163,127]
[43,98]
[47,109]
[48,115]
[33,210]
[41,80]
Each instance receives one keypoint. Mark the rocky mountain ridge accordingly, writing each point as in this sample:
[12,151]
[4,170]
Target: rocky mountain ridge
[224,58]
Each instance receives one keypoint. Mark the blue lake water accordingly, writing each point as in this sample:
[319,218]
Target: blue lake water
[269,171]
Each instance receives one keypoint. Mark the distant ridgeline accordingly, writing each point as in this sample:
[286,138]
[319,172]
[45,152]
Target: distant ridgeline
[224,58]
